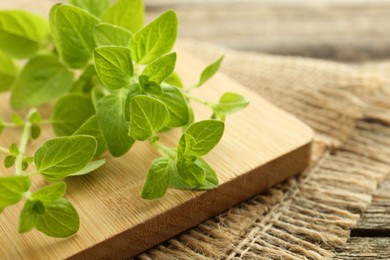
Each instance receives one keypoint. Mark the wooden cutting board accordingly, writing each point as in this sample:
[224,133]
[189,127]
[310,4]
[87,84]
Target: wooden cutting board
[262,146]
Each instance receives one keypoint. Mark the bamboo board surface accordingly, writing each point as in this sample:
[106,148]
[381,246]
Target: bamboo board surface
[262,145]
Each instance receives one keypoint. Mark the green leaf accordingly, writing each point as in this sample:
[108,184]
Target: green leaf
[114,66]
[85,83]
[72,33]
[150,87]
[90,167]
[17,120]
[231,103]
[147,116]
[157,180]
[161,69]
[177,106]
[35,118]
[9,161]
[14,150]
[94,7]
[61,156]
[174,80]
[8,72]
[60,219]
[35,132]
[126,13]
[91,127]
[28,217]
[111,117]
[209,71]
[12,189]
[210,182]
[109,34]
[191,172]
[42,79]
[22,33]
[155,39]
[50,193]
[70,113]
[201,137]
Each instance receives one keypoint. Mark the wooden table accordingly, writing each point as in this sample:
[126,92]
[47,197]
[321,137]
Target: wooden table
[352,31]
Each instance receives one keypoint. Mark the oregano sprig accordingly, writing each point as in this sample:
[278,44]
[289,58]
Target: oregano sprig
[113,83]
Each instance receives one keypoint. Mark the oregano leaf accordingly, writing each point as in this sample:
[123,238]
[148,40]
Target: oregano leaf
[42,79]
[22,33]
[230,103]
[70,113]
[112,121]
[147,116]
[61,156]
[157,180]
[161,68]
[155,39]
[176,105]
[209,71]
[114,66]
[191,172]
[126,13]
[108,34]
[50,193]
[8,72]
[94,7]
[12,189]
[205,136]
[90,167]
[72,34]
[60,219]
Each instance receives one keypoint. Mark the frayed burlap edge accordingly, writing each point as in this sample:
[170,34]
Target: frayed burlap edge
[308,216]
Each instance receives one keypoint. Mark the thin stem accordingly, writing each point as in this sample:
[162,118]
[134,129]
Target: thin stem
[4,150]
[196,99]
[23,144]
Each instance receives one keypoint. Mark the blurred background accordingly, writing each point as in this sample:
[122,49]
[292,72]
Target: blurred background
[348,30]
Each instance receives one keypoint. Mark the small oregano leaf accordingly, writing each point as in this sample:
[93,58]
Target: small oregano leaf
[91,127]
[157,180]
[161,68]
[110,114]
[230,103]
[126,13]
[210,181]
[70,113]
[12,189]
[90,167]
[28,217]
[175,80]
[204,136]
[114,66]
[96,8]
[42,79]
[8,72]
[209,71]
[9,161]
[22,33]
[108,34]
[72,28]
[50,193]
[60,219]
[155,39]
[59,157]
[147,116]
[191,172]
[177,106]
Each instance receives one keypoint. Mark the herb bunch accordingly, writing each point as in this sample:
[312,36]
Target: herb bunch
[113,81]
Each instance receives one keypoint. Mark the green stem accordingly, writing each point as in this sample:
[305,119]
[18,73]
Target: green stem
[196,99]
[163,149]
[4,150]
[23,144]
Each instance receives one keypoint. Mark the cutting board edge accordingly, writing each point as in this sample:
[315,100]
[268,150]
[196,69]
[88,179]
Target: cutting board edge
[190,214]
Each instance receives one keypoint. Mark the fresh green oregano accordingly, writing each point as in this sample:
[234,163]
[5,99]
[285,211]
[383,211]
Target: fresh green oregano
[113,83]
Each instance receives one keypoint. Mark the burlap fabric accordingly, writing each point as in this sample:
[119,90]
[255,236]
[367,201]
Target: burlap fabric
[309,216]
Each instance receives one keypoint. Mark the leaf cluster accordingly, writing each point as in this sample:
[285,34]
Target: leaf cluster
[113,82]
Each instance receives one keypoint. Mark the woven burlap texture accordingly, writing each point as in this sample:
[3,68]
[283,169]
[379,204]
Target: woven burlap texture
[309,216]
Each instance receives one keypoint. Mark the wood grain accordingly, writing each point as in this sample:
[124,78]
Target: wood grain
[262,146]
[366,248]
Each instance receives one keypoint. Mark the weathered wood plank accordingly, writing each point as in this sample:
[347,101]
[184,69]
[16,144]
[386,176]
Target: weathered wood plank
[366,248]
[329,30]
[376,219]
